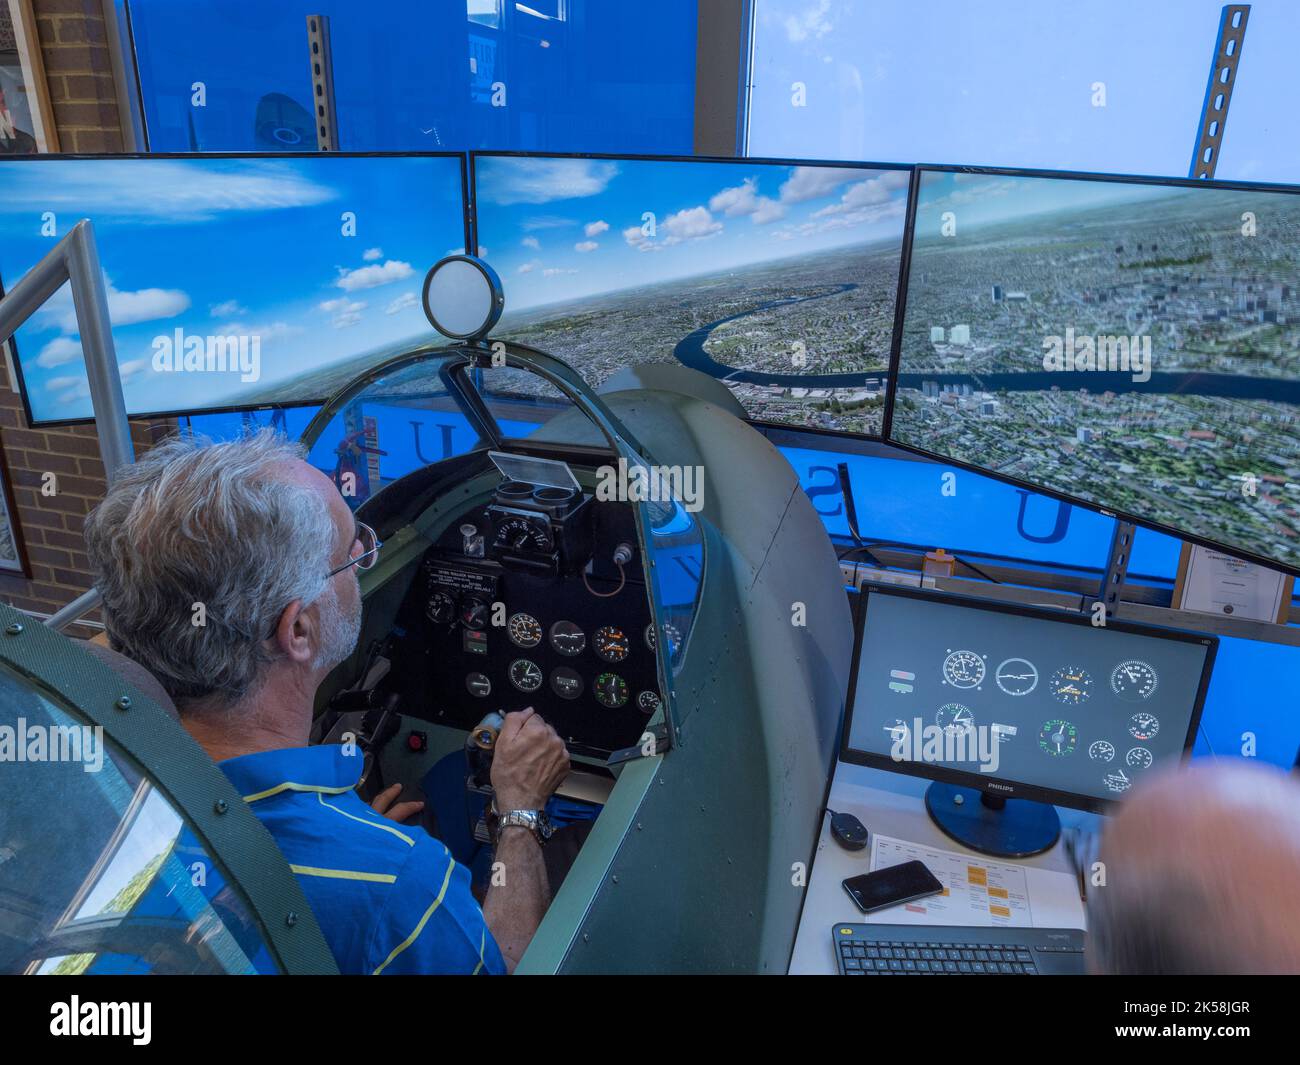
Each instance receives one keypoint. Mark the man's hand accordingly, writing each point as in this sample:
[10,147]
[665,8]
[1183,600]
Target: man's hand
[383,804]
[529,762]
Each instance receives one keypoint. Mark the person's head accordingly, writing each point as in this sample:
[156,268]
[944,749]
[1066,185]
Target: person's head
[214,563]
[1201,866]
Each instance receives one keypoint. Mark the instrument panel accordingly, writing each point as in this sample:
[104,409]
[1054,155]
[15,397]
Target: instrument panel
[497,631]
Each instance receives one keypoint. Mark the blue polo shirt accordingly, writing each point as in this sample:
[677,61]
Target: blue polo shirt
[389,898]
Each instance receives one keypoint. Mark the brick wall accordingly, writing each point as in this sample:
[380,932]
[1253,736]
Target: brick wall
[83,95]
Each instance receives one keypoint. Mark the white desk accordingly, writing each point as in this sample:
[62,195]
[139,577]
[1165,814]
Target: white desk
[889,804]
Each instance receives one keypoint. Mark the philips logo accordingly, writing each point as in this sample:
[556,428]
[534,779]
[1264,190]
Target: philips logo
[999,787]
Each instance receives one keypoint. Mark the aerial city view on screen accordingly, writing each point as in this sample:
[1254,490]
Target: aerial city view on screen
[778,280]
[1134,345]
[318,261]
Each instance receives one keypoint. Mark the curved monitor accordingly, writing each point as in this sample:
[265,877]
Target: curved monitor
[776,278]
[233,281]
[1132,344]
[1017,702]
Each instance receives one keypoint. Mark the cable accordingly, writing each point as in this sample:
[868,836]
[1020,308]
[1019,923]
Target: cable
[622,579]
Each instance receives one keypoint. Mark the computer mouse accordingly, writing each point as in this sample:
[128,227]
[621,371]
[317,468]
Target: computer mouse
[849,832]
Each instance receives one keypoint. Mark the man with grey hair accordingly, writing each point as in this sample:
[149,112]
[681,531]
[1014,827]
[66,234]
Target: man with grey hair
[1201,866]
[229,572]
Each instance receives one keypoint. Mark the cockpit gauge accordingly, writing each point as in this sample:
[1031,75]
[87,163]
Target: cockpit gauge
[1133,680]
[566,683]
[963,669]
[525,675]
[674,636]
[954,716]
[1017,676]
[648,702]
[474,613]
[1058,738]
[523,534]
[441,608]
[524,630]
[1071,685]
[1143,726]
[611,690]
[1116,780]
[1139,758]
[1101,751]
[611,643]
[478,685]
[568,639]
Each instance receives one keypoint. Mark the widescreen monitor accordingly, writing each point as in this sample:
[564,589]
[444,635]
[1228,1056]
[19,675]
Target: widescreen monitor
[233,281]
[1020,702]
[1132,344]
[777,278]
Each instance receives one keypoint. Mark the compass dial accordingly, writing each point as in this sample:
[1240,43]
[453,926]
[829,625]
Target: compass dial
[1143,726]
[524,630]
[1133,680]
[1058,738]
[1101,751]
[525,675]
[963,669]
[1017,676]
[1071,685]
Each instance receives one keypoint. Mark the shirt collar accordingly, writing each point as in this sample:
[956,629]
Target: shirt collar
[328,768]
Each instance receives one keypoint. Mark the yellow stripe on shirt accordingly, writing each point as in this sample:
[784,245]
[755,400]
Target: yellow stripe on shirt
[365,821]
[290,785]
[451,864]
[343,874]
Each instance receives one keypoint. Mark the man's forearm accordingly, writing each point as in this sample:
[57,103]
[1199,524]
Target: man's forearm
[519,893]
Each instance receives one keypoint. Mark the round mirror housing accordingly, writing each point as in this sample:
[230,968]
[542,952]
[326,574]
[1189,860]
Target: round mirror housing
[462,297]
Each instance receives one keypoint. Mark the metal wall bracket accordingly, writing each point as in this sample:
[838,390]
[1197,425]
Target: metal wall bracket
[1218,90]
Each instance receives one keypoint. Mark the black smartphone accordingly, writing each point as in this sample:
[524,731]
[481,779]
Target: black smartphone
[890,887]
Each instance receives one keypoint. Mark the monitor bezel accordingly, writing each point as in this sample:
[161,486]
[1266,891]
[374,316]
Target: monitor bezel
[992,784]
[239,408]
[900,313]
[847,164]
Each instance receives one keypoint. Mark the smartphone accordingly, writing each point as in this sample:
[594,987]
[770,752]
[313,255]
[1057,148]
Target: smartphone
[890,887]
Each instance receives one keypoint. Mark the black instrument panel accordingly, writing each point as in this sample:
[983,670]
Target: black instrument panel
[493,621]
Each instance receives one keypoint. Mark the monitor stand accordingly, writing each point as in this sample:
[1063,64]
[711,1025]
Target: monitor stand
[991,824]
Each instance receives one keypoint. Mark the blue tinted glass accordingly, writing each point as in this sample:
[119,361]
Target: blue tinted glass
[410,75]
[1020,83]
[930,504]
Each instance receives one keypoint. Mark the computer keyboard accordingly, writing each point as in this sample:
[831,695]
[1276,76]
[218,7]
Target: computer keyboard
[909,950]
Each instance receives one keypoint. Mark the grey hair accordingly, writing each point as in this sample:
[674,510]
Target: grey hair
[193,523]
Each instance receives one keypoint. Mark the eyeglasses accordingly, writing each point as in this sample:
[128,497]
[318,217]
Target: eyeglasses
[369,544]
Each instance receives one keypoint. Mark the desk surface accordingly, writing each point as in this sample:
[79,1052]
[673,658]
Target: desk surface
[889,804]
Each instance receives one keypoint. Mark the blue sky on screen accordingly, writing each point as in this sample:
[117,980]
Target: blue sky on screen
[227,247]
[981,199]
[559,229]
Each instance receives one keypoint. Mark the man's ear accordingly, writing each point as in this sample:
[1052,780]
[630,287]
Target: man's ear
[294,632]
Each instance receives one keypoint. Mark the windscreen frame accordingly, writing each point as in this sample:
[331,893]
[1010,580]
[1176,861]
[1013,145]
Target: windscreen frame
[993,784]
[886,373]
[20,385]
[900,308]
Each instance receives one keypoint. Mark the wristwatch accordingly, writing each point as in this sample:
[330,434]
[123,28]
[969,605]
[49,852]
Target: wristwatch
[535,821]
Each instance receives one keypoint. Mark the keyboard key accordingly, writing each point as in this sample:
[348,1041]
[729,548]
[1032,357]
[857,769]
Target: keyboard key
[950,966]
